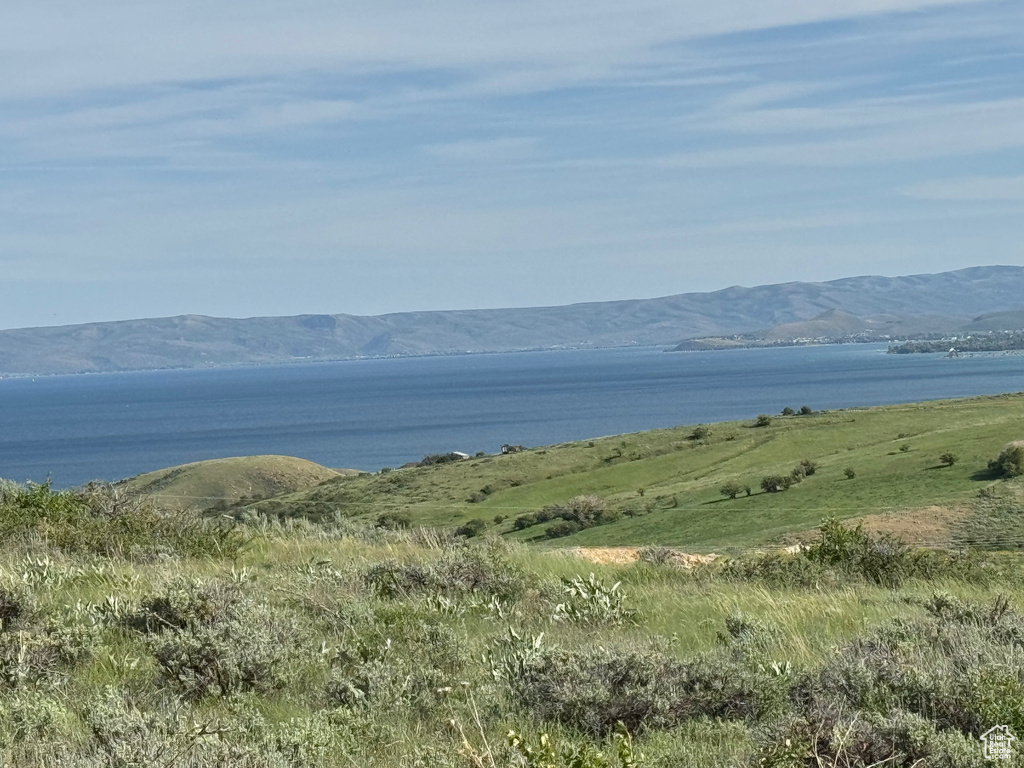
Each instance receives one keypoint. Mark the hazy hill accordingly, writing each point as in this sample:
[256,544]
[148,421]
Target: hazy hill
[196,341]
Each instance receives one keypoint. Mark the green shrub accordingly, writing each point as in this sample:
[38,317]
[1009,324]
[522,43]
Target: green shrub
[850,473]
[45,652]
[763,420]
[808,467]
[776,483]
[787,411]
[805,410]
[1010,461]
[730,490]
[439,458]
[248,651]
[882,559]
[468,569]
[393,520]
[700,432]
[15,605]
[471,528]
[184,604]
[523,522]
[593,689]
[562,529]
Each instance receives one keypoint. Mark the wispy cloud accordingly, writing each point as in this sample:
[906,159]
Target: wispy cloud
[977,188]
[698,140]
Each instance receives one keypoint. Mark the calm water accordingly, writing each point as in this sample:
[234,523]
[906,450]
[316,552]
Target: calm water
[374,413]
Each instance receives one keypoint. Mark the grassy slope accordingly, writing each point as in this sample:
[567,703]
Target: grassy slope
[202,483]
[680,478]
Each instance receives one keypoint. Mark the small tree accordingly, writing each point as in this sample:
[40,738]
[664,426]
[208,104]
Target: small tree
[776,483]
[787,411]
[1010,461]
[805,410]
[730,490]
[809,467]
[850,474]
[763,420]
[947,459]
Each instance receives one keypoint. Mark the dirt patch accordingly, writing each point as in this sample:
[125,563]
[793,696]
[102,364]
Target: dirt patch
[922,527]
[926,527]
[627,555]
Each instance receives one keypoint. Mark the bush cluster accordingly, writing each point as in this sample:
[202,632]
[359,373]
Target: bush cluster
[579,513]
[841,553]
[469,569]
[593,689]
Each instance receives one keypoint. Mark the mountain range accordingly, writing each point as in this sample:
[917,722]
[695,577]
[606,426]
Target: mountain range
[196,341]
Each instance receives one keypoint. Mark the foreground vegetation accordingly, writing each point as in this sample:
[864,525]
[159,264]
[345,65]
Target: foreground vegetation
[136,637]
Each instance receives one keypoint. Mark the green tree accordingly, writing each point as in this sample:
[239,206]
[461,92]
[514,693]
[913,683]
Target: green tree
[730,490]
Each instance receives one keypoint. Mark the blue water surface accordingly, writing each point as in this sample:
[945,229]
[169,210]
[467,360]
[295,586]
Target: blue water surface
[369,414]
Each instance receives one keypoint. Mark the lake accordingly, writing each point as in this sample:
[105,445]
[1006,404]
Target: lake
[368,414]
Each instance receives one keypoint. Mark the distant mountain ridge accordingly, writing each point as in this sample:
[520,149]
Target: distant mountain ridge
[196,341]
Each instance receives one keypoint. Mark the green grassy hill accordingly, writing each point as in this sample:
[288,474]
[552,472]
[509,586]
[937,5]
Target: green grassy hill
[203,484]
[663,486]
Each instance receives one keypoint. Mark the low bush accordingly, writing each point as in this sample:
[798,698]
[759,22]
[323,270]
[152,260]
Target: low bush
[394,520]
[469,569]
[1010,461]
[471,528]
[248,651]
[700,432]
[841,553]
[561,529]
[655,555]
[593,689]
[46,652]
[439,458]
[763,420]
[776,483]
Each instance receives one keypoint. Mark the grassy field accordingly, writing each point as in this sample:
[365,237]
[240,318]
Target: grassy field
[129,639]
[664,486]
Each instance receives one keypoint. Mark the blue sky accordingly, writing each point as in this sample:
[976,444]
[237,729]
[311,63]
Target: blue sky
[267,158]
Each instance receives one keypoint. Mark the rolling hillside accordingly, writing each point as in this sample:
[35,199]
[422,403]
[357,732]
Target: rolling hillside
[663,487]
[204,483]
